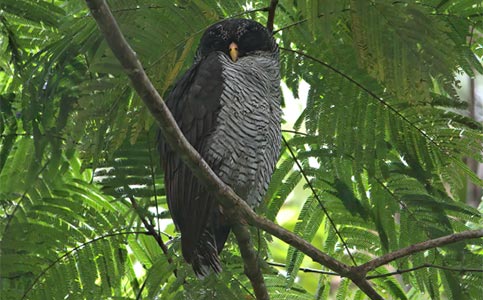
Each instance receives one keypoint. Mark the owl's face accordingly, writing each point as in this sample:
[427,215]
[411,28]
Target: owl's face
[236,38]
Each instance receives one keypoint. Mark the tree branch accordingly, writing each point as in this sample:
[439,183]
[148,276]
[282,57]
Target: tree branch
[309,250]
[250,260]
[438,242]
[271,14]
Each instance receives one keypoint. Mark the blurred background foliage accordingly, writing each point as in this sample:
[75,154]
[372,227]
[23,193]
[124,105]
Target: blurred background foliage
[375,159]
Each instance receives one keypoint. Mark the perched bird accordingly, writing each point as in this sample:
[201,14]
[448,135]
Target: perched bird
[228,107]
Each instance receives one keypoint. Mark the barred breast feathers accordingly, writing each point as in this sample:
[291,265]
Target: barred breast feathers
[246,142]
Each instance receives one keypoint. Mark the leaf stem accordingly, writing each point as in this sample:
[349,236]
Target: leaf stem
[38,277]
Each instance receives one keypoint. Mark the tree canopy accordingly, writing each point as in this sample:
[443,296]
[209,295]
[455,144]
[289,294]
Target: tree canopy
[374,163]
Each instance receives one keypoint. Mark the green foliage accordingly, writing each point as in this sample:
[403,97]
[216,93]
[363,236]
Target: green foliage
[380,145]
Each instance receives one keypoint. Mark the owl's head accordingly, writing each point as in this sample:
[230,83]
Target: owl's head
[236,38]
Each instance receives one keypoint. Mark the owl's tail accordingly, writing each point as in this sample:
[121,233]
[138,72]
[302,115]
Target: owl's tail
[205,257]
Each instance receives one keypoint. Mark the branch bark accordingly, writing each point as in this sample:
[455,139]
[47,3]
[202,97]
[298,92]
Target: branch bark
[438,242]
[251,263]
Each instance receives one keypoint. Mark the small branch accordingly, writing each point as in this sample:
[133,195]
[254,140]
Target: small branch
[152,231]
[442,241]
[398,272]
[309,250]
[290,25]
[271,14]
[242,285]
[150,228]
[295,132]
[138,7]
[251,262]
[306,19]
[153,181]
[246,12]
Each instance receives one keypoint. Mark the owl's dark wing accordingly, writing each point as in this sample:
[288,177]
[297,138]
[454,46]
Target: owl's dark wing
[194,103]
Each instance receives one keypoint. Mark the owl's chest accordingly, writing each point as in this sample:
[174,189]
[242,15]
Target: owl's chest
[247,104]
[243,130]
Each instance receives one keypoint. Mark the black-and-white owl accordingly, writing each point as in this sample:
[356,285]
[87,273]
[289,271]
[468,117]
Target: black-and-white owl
[228,107]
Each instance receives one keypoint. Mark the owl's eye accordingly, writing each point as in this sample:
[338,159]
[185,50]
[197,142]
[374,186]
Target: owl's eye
[213,43]
[254,40]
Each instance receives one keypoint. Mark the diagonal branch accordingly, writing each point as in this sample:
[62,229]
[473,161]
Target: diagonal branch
[309,250]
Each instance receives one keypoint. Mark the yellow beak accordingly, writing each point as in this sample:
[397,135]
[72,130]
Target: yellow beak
[233,51]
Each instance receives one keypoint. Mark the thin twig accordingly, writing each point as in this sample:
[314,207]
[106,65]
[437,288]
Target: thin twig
[151,229]
[141,289]
[153,181]
[302,269]
[290,25]
[398,272]
[242,285]
[305,20]
[24,195]
[316,196]
[25,134]
[271,14]
[295,132]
